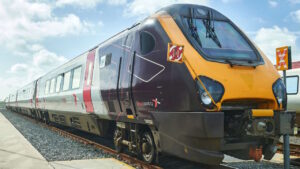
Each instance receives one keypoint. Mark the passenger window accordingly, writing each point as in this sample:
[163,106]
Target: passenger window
[292,84]
[58,83]
[67,81]
[147,42]
[76,78]
[52,85]
[47,87]
[90,74]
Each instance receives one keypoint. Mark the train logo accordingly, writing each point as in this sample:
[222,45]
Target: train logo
[175,53]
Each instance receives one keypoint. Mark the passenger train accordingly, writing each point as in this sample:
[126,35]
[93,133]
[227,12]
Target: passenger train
[293,94]
[185,81]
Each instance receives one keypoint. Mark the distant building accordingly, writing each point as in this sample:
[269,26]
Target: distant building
[296,65]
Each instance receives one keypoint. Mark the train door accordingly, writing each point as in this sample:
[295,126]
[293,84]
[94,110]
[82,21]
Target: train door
[88,77]
[125,81]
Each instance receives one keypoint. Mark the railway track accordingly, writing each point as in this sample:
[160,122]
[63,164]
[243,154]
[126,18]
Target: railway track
[294,149]
[166,164]
[124,157]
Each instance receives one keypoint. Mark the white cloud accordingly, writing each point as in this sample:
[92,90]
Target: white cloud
[88,3]
[117,2]
[268,39]
[42,61]
[20,27]
[80,3]
[19,68]
[24,25]
[229,1]
[47,59]
[296,15]
[273,3]
[142,8]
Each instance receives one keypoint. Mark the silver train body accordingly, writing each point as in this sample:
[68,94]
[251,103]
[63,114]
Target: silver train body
[293,85]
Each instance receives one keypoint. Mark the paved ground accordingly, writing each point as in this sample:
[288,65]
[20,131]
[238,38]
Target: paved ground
[17,153]
[107,163]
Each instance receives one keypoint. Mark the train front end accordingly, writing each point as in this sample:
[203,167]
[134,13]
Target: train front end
[241,99]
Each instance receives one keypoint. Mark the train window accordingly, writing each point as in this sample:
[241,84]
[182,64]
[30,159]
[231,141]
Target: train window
[292,84]
[52,85]
[58,83]
[129,40]
[90,74]
[105,60]
[76,78]
[47,87]
[67,78]
[147,42]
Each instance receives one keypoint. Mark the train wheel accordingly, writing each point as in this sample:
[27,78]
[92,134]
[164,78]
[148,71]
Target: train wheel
[148,147]
[118,140]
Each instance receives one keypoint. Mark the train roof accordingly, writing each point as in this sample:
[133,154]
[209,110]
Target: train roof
[185,10]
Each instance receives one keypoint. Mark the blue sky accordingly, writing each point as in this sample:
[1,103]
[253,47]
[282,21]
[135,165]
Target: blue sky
[38,35]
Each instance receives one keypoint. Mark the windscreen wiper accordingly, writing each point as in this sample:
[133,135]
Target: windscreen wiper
[210,30]
[193,27]
[249,63]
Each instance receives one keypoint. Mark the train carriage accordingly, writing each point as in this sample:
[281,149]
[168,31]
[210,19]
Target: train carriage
[292,85]
[225,97]
[25,98]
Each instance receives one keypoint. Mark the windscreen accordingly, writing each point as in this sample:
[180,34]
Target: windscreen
[219,39]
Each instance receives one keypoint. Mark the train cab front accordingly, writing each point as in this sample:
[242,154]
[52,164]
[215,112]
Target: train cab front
[241,99]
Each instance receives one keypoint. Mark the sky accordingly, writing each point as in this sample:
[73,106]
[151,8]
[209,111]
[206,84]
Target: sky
[38,35]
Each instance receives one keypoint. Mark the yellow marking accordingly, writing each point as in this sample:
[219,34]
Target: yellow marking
[236,88]
[125,166]
[262,113]
[130,116]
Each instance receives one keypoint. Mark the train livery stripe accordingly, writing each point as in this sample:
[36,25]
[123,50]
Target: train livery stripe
[88,77]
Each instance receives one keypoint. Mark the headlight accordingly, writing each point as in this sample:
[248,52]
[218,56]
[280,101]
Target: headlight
[279,91]
[215,89]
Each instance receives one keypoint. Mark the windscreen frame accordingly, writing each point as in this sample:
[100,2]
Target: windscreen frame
[178,18]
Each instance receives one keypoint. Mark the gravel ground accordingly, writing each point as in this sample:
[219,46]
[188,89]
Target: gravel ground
[51,145]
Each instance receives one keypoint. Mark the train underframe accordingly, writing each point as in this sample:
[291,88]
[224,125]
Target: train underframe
[202,137]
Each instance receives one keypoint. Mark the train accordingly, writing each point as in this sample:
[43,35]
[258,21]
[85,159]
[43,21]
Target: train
[185,81]
[293,95]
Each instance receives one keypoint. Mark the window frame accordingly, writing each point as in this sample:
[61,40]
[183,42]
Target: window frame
[54,85]
[61,82]
[80,81]
[47,87]
[296,76]
[70,79]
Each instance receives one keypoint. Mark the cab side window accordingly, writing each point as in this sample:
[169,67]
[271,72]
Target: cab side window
[292,85]
[147,42]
